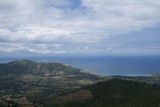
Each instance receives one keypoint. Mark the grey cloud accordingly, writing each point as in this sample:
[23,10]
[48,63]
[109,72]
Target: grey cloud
[102,25]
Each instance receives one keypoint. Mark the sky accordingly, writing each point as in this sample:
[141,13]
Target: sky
[79,27]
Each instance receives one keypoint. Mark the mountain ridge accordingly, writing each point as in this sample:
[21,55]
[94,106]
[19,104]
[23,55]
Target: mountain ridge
[19,67]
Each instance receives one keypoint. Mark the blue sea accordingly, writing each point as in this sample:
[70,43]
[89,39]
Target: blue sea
[106,65]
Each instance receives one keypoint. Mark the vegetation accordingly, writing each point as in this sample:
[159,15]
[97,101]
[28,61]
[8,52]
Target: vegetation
[117,93]
[29,82]
[26,83]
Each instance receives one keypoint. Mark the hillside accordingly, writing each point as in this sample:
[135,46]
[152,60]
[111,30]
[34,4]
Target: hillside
[28,81]
[112,93]
[23,67]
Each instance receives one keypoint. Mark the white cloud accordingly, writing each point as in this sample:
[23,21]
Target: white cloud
[55,21]
[31,48]
[125,15]
[47,35]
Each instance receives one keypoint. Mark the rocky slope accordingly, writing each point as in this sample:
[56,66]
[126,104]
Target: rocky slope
[25,67]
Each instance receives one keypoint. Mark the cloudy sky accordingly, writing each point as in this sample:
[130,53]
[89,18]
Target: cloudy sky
[65,27]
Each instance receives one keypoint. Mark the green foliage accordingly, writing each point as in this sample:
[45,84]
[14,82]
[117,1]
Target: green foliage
[119,93]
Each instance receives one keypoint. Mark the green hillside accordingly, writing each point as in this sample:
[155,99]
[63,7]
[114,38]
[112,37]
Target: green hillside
[25,82]
[112,93]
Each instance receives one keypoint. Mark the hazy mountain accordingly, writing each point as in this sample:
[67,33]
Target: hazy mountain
[24,67]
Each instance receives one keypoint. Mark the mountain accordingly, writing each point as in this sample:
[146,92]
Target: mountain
[29,81]
[111,93]
[23,67]
[26,83]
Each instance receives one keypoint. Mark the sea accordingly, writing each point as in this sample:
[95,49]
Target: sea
[105,65]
